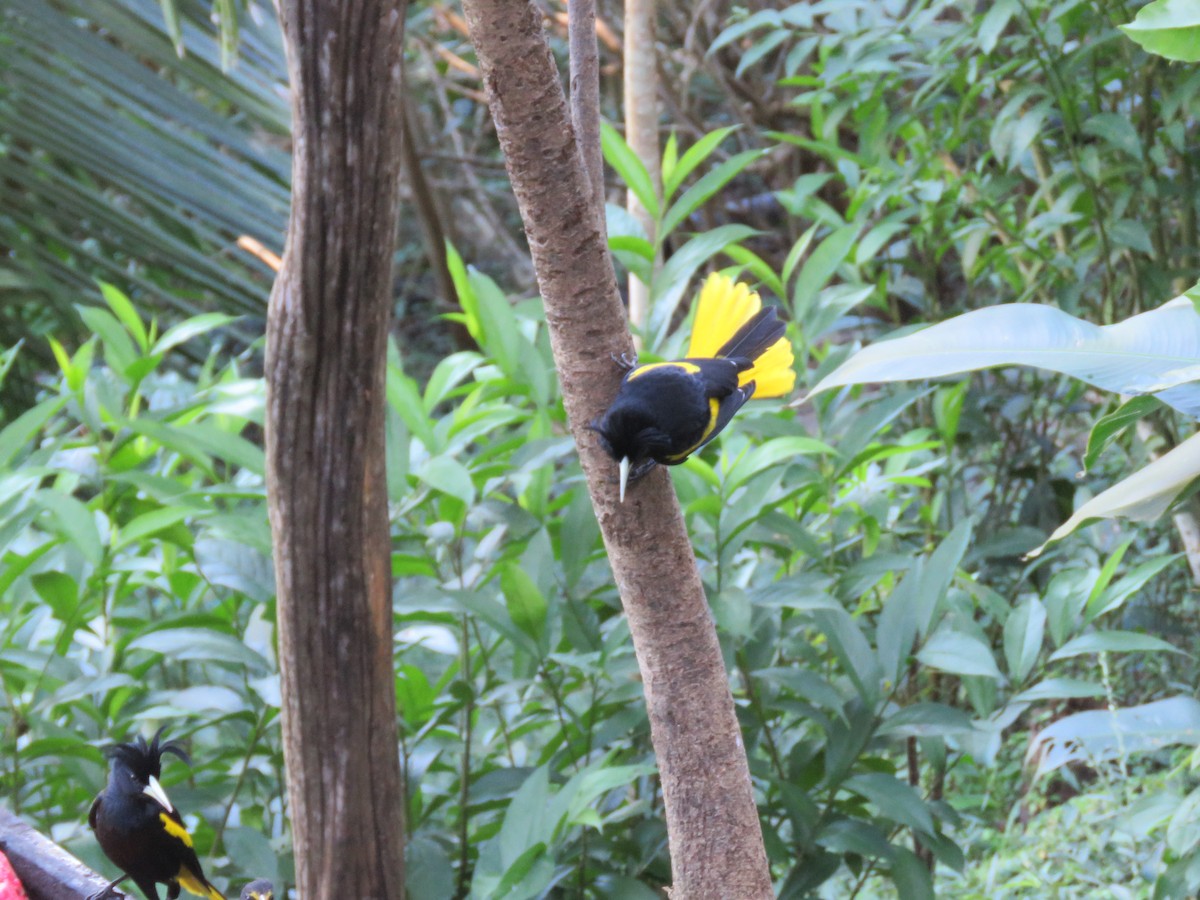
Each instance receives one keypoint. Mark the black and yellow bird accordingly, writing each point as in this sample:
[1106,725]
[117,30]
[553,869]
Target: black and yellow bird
[666,411]
[259,889]
[138,828]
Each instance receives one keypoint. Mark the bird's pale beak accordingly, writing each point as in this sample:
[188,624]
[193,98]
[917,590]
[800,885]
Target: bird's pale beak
[624,467]
[155,790]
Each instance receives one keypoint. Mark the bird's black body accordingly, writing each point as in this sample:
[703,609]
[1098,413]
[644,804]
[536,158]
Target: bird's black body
[664,412]
[138,828]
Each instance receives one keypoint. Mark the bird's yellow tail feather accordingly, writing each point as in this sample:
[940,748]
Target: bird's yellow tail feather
[723,307]
[773,373]
[198,886]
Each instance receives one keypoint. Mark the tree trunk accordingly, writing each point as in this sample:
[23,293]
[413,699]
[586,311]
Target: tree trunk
[326,341]
[715,839]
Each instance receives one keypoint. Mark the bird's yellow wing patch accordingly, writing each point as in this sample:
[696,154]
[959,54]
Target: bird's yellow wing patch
[723,307]
[175,830]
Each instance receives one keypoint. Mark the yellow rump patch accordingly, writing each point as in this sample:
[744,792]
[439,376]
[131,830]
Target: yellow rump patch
[690,368]
[194,885]
[723,307]
[175,830]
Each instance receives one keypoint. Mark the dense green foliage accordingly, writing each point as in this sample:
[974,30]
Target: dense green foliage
[892,655]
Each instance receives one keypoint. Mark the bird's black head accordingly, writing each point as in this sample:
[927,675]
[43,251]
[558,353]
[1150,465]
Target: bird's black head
[629,433]
[259,889]
[135,763]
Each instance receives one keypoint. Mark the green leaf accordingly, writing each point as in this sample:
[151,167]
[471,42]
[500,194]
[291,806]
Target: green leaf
[695,196]
[1024,631]
[959,654]
[126,314]
[21,430]
[1154,352]
[151,523]
[60,592]
[895,799]
[191,328]
[1170,28]
[75,522]
[1117,130]
[525,602]
[250,851]
[672,280]
[692,157]
[200,644]
[820,267]
[630,169]
[1097,735]
[1112,642]
[118,348]
[448,475]
[1109,427]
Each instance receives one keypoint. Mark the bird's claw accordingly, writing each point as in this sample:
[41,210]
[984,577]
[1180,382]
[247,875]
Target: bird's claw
[623,361]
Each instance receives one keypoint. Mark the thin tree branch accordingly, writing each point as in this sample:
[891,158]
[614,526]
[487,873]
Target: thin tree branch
[712,823]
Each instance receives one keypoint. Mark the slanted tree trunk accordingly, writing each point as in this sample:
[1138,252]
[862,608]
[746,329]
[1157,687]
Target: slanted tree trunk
[326,342]
[715,839]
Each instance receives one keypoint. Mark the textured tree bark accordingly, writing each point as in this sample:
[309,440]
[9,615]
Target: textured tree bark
[715,839]
[326,340]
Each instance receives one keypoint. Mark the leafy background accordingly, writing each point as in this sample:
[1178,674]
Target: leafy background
[924,709]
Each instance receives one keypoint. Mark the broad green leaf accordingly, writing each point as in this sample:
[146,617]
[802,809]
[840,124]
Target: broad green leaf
[1023,634]
[959,654]
[152,523]
[895,799]
[75,522]
[1154,352]
[1059,689]
[1170,28]
[525,602]
[820,267]
[1112,642]
[1117,130]
[1097,735]
[199,644]
[449,476]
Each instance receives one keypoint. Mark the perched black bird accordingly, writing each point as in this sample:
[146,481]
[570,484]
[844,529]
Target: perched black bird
[666,411]
[138,828]
[260,889]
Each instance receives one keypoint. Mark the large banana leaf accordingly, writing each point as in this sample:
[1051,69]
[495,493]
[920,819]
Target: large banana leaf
[1156,352]
[124,161]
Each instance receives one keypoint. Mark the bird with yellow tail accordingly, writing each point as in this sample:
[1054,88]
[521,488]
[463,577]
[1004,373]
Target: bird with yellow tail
[666,411]
[138,828]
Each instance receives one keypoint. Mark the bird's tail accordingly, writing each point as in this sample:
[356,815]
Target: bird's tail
[198,885]
[731,322]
